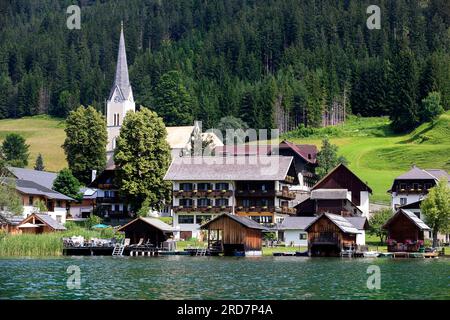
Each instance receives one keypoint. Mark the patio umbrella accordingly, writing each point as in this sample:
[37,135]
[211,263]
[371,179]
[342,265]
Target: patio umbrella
[100,226]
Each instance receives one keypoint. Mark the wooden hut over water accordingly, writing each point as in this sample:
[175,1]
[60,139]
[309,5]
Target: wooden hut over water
[147,230]
[405,231]
[329,234]
[231,235]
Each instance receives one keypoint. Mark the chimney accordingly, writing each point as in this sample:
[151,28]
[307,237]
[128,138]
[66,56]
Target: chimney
[93,175]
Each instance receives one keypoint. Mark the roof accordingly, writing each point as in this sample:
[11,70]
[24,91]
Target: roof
[359,223]
[306,151]
[214,138]
[238,168]
[329,174]
[44,178]
[11,220]
[246,222]
[412,205]
[31,187]
[46,219]
[178,137]
[438,173]
[409,214]
[121,80]
[329,194]
[296,223]
[342,223]
[155,222]
[417,174]
[244,149]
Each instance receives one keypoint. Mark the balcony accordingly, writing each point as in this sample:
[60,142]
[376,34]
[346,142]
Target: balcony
[285,210]
[255,209]
[208,209]
[325,238]
[286,194]
[203,193]
[255,193]
[109,200]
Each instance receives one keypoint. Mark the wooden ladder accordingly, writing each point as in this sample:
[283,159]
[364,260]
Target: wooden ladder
[201,252]
[118,250]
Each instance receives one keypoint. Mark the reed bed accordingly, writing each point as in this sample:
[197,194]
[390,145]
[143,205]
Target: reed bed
[47,244]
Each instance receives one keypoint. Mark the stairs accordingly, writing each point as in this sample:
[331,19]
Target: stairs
[118,250]
[201,252]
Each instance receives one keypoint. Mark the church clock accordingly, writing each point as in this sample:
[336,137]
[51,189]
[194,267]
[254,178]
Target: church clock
[117,99]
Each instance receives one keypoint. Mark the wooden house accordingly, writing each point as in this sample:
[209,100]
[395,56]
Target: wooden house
[9,224]
[151,230]
[329,234]
[40,223]
[230,234]
[405,232]
[341,178]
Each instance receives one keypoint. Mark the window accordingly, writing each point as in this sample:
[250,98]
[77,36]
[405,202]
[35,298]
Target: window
[264,203]
[415,186]
[30,200]
[428,186]
[186,219]
[58,203]
[116,119]
[117,208]
[186,202]
[186,186]
[222,186]
[246,203]
[59,219]
[402,186]
[302,236]
[203,202]
[200,219]
[262,219]
[222,202]
[204,186]
[403,201]
[109,194]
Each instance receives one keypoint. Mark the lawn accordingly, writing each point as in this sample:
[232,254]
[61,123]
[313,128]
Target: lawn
[44,134]
[377,155]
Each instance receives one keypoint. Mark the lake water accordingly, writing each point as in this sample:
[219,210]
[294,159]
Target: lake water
[184,277]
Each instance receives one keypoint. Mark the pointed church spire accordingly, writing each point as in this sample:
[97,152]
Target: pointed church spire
[121,81]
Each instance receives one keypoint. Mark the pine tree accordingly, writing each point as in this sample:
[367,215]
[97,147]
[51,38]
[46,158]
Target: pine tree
[328,159]
[39,164]
[85,144]
[143,156]
[15,150]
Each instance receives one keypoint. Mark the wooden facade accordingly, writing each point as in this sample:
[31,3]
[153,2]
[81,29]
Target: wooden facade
[404,235]
[343,207]
[325,238]
[342,177]
[41,224]
[142,228]
[227,234]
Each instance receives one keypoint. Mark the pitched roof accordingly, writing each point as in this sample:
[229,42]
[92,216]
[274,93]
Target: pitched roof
[44,178]
[255,168]
[296,223]
[46,219]
[329,174]
[244,149]
[31,187]
[329,194]
[246,222]
[306,151]
[121,80]
[12,220]
[342,223]
[416,173]
[412,205]
[438,173]
[359,223]
[410,215]
[155,222]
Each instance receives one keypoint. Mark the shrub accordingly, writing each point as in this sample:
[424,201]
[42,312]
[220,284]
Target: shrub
[92,221]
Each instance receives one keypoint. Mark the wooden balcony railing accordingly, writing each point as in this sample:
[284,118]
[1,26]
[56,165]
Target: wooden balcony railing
[286,194]
[255,193]
[325,238]
[203,193]
[208,209]
[255,209]
[109,200]
[286,210]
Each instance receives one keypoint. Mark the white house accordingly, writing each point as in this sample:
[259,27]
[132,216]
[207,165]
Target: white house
[292,231]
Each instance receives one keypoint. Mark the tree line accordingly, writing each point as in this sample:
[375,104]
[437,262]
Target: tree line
[250,59]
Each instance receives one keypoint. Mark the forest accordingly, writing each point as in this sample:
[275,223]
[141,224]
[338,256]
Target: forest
[272,63]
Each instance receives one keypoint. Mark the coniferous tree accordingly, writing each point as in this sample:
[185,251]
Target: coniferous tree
[39,164]
[15,150]
[328,159]
[67,184]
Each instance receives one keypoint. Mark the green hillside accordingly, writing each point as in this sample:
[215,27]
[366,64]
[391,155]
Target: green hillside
[375,153]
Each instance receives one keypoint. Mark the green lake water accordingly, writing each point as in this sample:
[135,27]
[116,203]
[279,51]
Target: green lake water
[184,277]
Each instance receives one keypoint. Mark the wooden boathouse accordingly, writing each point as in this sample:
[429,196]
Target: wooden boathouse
[39,223]
[147,230]
[330,234]
[405,232]
[234,235]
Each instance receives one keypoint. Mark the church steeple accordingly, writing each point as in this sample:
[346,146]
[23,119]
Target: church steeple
[121,81]
[120,100]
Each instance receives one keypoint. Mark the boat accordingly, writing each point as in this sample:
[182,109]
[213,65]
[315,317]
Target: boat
[302,254]
[371,254]
[385,254]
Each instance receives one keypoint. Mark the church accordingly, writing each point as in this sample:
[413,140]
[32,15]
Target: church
[102,196]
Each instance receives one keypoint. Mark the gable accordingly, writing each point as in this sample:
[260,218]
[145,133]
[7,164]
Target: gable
[342,177]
